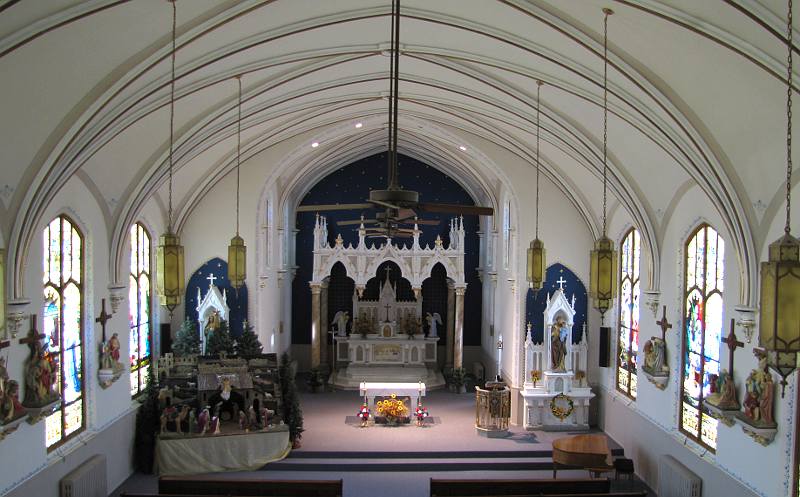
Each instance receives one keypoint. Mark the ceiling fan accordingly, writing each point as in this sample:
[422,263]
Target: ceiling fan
[400,206]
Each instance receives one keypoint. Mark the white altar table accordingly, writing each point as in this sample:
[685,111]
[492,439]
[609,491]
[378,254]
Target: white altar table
[370,390]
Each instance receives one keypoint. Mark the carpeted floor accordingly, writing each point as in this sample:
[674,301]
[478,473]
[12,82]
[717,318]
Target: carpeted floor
[400,460]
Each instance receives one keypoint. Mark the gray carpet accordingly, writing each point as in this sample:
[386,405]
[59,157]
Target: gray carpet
[399,461]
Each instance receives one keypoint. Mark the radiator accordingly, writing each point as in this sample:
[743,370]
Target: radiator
[676,480]
[87,480]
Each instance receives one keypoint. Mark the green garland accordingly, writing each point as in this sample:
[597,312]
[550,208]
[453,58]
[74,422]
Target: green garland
[558,411]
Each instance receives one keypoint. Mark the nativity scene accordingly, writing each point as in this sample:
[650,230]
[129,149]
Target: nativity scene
[398,248]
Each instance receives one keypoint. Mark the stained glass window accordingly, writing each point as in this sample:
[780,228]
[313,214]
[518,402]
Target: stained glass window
[702,332]
[139,307]
[628,313]
[63,326]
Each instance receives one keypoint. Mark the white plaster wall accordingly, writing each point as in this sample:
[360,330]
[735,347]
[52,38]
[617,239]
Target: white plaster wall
[648,426]
[32,470]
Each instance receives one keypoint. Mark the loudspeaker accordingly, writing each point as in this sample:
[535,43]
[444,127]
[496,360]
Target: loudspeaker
[605,341]
[166,338]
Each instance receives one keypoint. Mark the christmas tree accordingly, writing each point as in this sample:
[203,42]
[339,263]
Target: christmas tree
[247,344]
[187,341]
[220,340]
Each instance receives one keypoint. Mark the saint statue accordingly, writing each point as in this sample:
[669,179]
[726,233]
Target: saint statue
[212,324]
[433,321]
[341,318]
[558,344]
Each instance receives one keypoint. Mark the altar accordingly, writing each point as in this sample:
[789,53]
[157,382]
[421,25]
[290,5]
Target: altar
[415,391]
[389,338]
[556,392]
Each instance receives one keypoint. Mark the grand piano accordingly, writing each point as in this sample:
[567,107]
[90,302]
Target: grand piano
[584,451]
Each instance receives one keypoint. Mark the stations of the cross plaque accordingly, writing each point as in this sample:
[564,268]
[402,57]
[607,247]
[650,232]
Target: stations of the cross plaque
[664,324]
[732,344]
[103,318]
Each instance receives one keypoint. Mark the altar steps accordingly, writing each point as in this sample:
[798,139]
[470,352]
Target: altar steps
[434,461]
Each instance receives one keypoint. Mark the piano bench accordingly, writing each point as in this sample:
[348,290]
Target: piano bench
[597,472]
[623,466]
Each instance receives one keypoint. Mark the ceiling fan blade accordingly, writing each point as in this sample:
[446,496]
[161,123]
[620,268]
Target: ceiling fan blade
[428,222]
[457,209]
[385,204]
[356,221]
[333,207]
[405,213]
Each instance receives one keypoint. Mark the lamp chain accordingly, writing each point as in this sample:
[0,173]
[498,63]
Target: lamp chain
[171,116]
[605,114]
[238,151]
[538,130]
[787,228]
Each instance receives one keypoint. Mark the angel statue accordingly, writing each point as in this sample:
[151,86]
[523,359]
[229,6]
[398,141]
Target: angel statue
[433,321]
[341,318]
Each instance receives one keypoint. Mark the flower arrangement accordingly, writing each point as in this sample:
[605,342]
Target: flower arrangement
[363,414]
[536,375]
[421,413]
[392,408]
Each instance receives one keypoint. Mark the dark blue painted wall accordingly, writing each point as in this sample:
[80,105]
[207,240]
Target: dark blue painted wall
[236,303]
[534,306]
[353,183]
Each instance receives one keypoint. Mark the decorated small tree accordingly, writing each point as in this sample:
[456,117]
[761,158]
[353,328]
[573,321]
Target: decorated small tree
[247,344]
[147,424]
[292,413]
[220,340]
[187,341]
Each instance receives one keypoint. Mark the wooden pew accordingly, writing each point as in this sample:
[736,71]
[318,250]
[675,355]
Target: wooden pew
[205,486]
[563,486]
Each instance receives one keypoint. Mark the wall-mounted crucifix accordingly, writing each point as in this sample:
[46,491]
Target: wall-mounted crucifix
[103,318]
[664,324]
[733,344]
[33,335]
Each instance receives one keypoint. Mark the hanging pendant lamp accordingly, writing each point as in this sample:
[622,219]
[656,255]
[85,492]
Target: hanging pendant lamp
[603,266]
[237,252]
[169,255]
[779,317]
[537,257]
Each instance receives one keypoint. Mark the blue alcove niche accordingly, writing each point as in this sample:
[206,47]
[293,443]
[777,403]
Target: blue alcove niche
[352,183]
[237,303]
[534,306]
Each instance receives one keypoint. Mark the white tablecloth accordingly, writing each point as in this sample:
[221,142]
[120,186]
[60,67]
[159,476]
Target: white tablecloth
[216,453]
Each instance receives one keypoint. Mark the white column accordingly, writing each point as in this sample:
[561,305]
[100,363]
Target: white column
[458,345]
[451,321]
[315,324]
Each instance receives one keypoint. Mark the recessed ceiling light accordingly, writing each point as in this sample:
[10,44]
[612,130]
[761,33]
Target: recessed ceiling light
[315,145]
[462,148]
[358,125]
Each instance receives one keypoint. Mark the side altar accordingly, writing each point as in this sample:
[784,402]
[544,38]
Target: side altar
[389,339]
[556,391]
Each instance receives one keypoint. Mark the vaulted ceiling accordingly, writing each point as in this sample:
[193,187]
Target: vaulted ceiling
[696,95]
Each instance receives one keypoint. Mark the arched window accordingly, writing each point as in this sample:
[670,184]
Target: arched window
[702,331]
[139,307]
[63,325]
[629,290]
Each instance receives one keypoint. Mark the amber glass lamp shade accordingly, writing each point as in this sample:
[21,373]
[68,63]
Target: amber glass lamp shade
[603,274]
[779,316]
[170,274]
[537,262]
[237,262]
